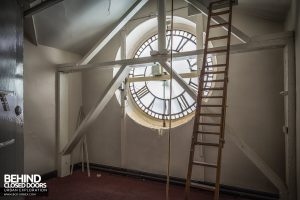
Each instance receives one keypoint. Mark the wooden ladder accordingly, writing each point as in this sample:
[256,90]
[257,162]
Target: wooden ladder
[211,116]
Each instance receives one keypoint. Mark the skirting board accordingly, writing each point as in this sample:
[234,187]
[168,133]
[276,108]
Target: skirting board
[245,193]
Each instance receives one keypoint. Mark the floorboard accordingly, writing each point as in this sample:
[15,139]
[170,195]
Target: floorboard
[105,186]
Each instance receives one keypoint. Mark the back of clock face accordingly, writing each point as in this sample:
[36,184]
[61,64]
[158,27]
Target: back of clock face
[153,96]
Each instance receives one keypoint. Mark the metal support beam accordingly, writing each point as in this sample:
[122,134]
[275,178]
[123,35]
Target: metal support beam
[40,7]
[200,37]
[97,109]
[62,127]
[269,41]
[123,95]
[259,163]
[119,25]
[161,77]
[161,21]
[219,20]
[123,44]
[179,80]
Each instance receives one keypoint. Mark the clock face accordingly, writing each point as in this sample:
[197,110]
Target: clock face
[153,96]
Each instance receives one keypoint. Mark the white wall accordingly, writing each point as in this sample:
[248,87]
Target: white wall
[255,113]
[39,105]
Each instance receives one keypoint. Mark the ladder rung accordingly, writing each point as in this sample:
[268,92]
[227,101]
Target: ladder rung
[211,105]
[214,88]
[218,25]
[220,13]
[205,164]
[207,144]
[212,97]
[208,133]
[203,187]
[218,80]
[210,114]
[215,72]
[218,38]
[209,124]
[216,65]
[217,51]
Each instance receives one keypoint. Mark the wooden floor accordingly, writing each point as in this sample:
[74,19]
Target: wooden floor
[115,187]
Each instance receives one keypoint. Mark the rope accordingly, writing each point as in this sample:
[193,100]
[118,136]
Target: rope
[170,104]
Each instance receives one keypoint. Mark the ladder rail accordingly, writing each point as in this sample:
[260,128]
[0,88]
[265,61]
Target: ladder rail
[219,159]
[200,97]
[198,109]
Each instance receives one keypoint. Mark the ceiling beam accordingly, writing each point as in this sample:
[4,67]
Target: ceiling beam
[219,20]
[30,31]
[119,25]
[264,42]
[97,109]
[161,77]
[161,21]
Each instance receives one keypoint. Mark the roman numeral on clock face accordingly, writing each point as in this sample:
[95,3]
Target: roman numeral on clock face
[183,103]
[193,66]
[151,104]
[142,92]
[181,44]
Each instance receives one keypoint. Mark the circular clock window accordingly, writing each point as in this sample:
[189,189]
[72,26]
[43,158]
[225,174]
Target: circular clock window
[150,85]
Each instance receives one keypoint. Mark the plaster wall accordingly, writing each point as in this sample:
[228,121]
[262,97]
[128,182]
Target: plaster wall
[40,104]
[255,113]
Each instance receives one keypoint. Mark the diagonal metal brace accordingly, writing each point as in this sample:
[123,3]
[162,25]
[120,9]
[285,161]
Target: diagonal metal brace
[97,109]
[179,79]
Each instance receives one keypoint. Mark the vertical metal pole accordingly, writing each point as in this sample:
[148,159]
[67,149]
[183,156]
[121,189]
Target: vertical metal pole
[290,117]
[123,97]
[63,161]
[200,37]
[123,44]
[161,21]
